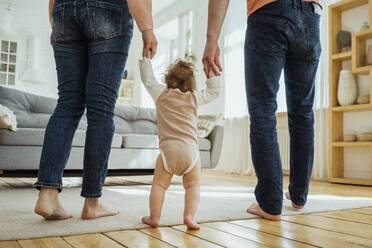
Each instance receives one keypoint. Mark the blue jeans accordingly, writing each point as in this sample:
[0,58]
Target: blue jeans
[91,41]
[282,35]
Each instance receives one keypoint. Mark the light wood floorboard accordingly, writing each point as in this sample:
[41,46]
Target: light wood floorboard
[135,238]
[361,210]
[260,237]
[96,240]
[9,244]
[346,228]
[44,243]
[219,237]
[306,234]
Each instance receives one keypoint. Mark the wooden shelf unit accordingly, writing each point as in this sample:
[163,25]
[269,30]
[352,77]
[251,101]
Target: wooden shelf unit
[336,112]
[342,56]
[352,144]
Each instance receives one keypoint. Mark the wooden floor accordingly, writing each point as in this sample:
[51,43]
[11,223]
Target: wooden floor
[349,228]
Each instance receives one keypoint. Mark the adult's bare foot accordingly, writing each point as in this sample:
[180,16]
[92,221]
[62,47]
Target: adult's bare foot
[190,223]
[288,197]
[93,209]
[149,221]
[256,210]
[48,206]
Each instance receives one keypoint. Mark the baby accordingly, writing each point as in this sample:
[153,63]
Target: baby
[176,106]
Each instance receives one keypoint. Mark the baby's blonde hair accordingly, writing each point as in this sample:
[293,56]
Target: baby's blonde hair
[181,75]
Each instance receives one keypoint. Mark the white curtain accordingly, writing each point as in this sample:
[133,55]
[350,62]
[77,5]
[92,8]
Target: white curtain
[236,157]
[321,104]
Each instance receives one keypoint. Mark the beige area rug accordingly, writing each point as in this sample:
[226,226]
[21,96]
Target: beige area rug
[218,203]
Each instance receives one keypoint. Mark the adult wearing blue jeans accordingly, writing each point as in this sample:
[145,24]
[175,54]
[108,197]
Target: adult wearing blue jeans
[282,34]
[91,42]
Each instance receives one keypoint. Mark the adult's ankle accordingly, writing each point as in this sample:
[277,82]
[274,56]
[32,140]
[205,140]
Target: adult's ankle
[48,192]
[92,202]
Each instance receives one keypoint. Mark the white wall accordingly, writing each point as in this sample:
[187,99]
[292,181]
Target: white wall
[357,160]
[31,18]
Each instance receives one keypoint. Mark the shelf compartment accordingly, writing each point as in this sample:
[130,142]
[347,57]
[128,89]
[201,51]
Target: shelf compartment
[352,108]
[342,56]
[362,70]
[353,144]
[351,181]
[359,50]
[348,4]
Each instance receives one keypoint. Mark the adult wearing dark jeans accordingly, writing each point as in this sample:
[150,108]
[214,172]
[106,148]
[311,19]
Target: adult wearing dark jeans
[282,34]
[91,42]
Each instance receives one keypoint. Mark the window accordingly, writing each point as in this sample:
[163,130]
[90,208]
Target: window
[8,60]
[235,97]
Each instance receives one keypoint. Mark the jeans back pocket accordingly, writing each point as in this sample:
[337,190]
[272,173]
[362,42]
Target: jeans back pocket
[313,43]
[105,19]
[58,22]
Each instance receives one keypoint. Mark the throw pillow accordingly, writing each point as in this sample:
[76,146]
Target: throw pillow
[7,119]
[206,124]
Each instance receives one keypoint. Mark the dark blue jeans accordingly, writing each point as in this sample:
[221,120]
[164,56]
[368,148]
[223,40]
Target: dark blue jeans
[91,41]
[282,35]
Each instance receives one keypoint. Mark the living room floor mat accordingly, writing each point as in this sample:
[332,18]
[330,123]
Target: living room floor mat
[218,203]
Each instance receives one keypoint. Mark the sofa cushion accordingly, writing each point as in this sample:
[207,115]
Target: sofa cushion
[33,111]
[35,137]
[139,141]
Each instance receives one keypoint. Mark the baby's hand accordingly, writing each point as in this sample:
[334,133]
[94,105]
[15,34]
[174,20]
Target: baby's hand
[211,73]
[140,63]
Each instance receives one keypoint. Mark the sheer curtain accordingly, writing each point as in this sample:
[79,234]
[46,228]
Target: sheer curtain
[236,157]
[321,104]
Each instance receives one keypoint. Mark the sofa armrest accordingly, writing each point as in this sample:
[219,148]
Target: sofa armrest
[216,139]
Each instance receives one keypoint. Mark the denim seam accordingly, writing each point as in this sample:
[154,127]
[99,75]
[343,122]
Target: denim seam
[61,22]
[40,184]
[297,191]
[91,195]
[270,211]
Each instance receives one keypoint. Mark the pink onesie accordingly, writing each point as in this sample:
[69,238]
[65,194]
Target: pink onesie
[177,119]
[177,130]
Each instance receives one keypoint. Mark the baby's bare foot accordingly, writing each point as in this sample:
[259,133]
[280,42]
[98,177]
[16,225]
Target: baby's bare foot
[93,209]
[293,205]
[148,221]
[48,206]
[256,210]
[190,223]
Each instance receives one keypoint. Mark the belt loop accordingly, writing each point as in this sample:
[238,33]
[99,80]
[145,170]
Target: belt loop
[294,4]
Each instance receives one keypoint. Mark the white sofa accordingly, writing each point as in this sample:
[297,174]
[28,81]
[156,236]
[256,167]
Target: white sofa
[134,146]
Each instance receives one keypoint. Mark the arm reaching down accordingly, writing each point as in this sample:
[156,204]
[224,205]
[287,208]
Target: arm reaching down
[148,79]
[216,14]
[211,92]
[51,5]
[141,11]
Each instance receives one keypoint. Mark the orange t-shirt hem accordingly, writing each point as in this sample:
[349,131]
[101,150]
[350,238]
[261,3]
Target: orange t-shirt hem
[254,5]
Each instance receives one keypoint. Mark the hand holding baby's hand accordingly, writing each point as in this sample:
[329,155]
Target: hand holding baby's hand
[211,73]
